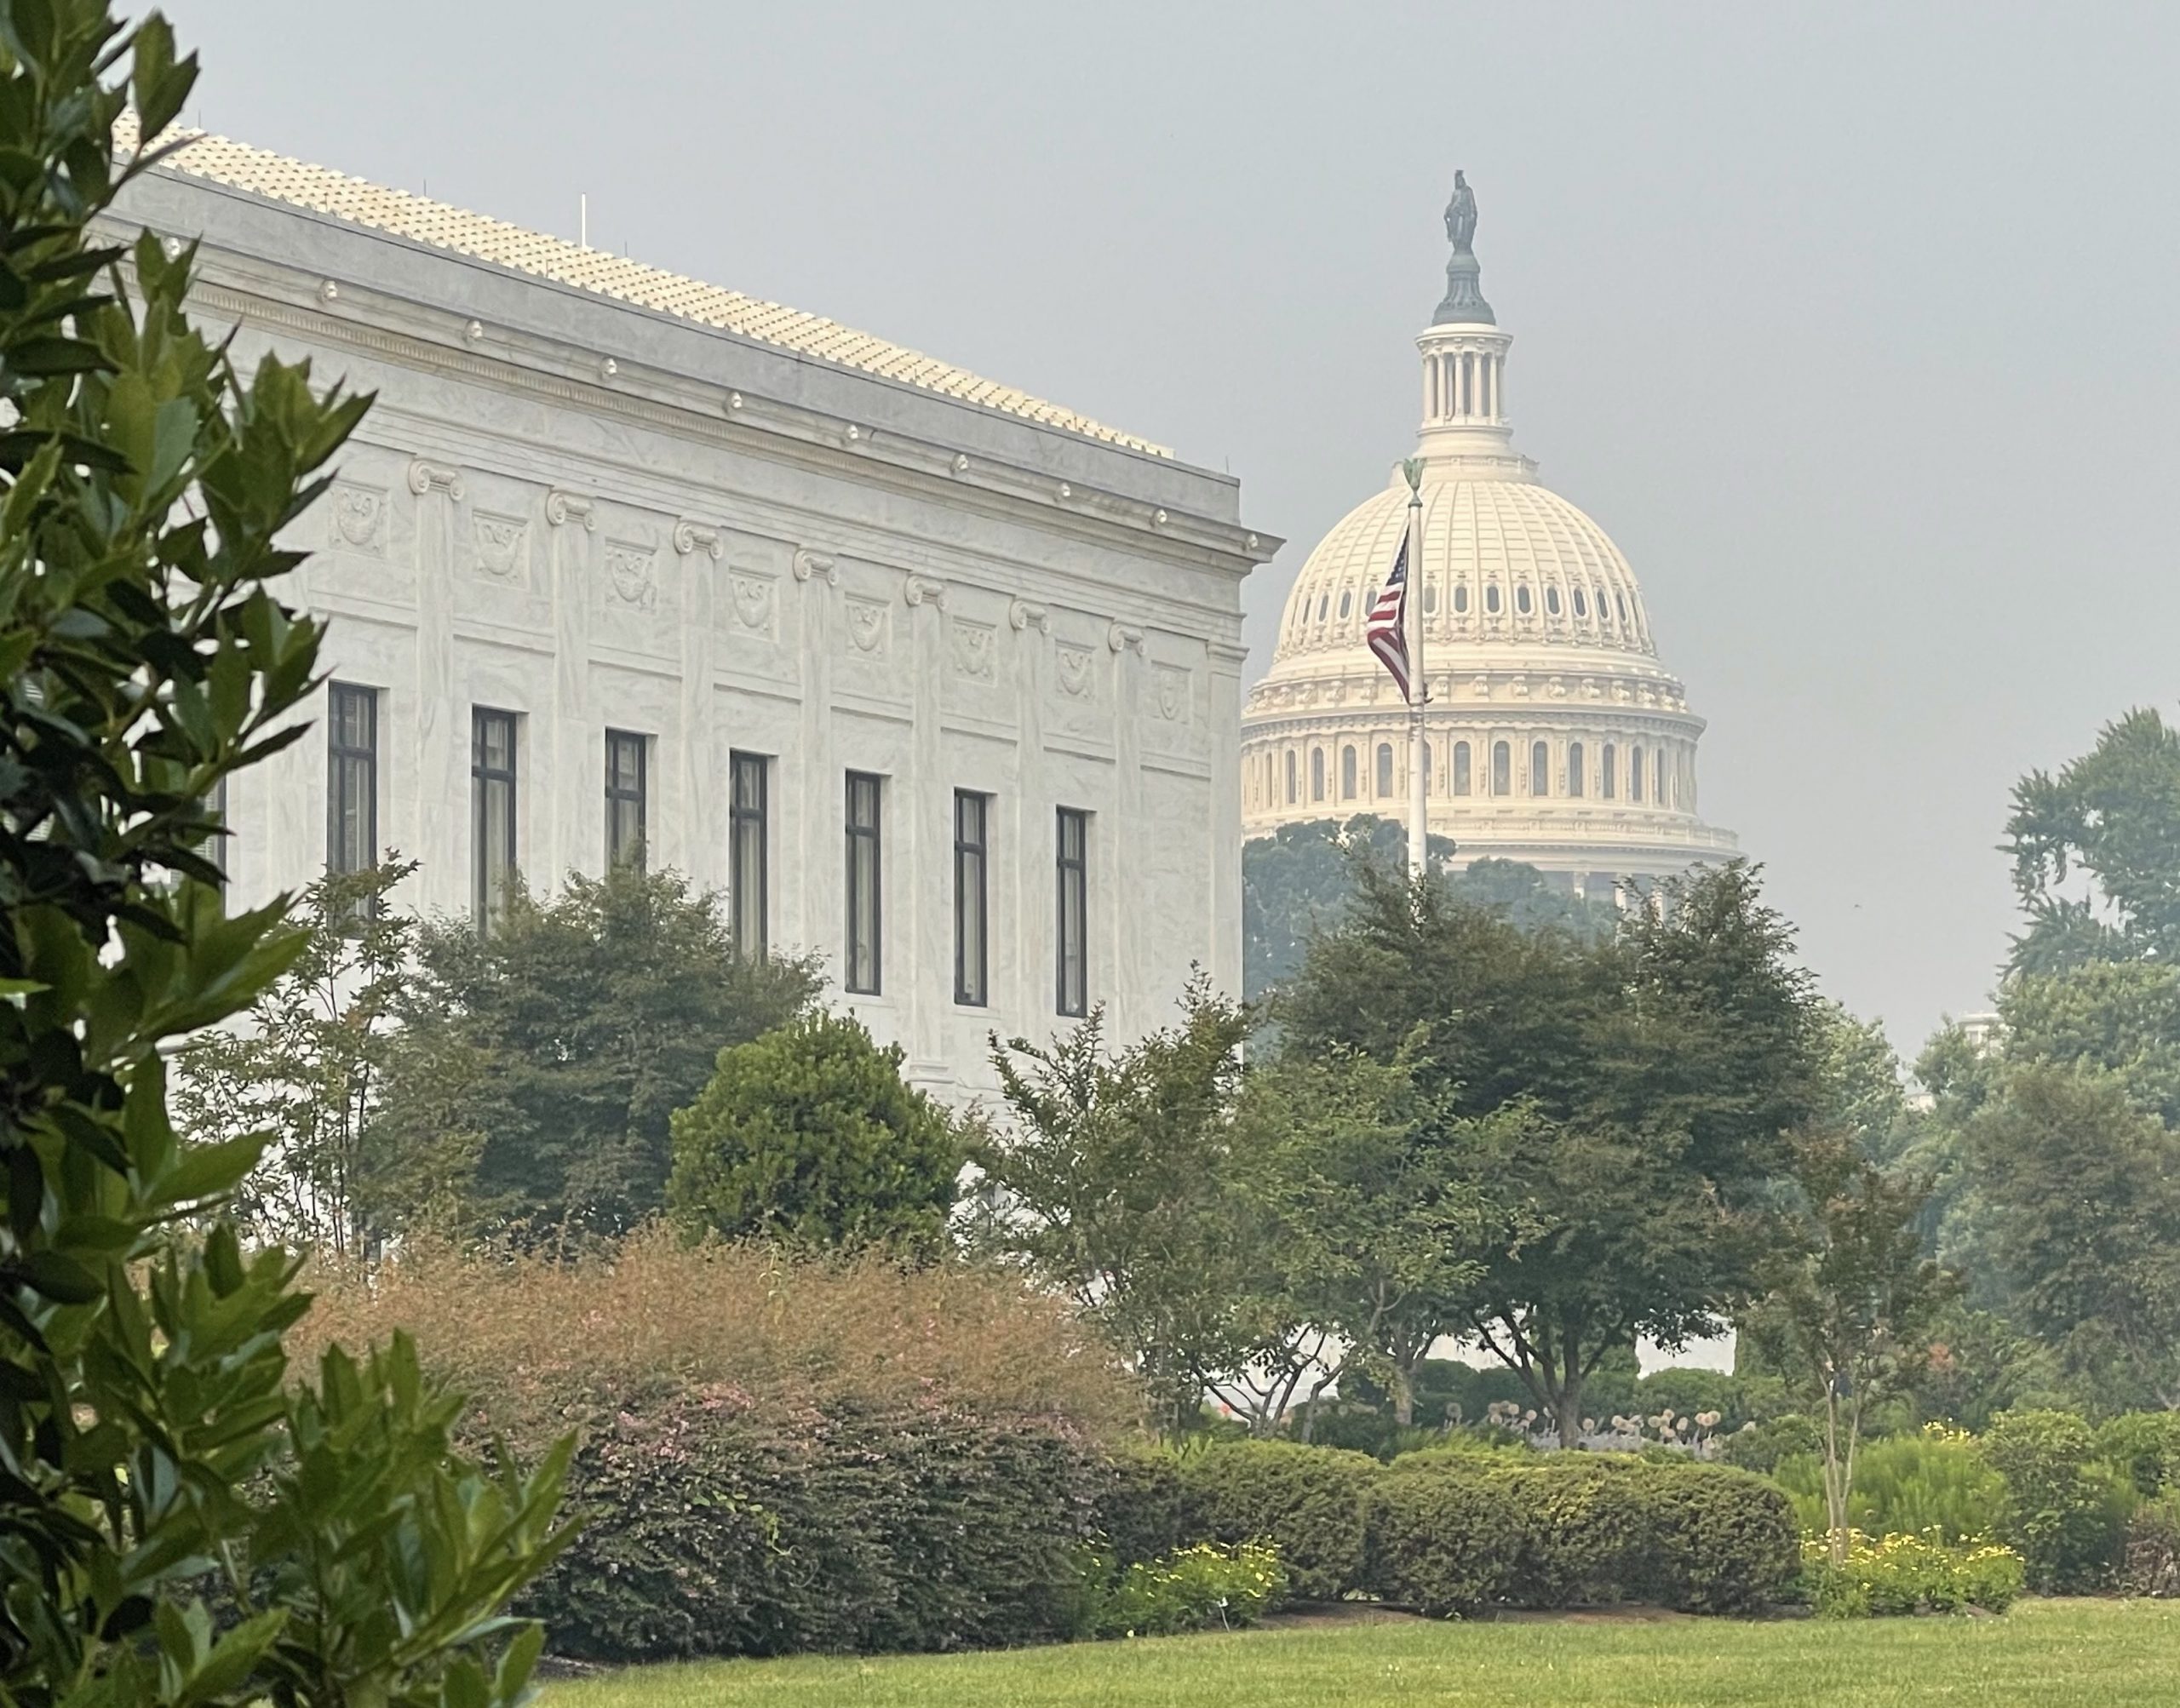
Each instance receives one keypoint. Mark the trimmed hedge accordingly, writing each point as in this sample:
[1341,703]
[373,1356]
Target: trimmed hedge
[1453,1532]
[1305,1501]
[711,1527]
[1141,1510]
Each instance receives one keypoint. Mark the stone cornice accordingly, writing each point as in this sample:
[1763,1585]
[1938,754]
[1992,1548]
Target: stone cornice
[355,316]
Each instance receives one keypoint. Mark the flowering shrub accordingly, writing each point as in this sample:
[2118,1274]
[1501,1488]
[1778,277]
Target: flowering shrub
[1909,1574]
[1191,1589]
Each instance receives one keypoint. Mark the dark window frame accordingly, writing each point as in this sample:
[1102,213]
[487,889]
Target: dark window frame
[1071,996]
[971,898]
[489,890]
[346,761]
[618,743]
[748,831]
[865,839]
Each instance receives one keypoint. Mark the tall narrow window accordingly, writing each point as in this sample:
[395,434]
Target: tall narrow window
[1606,780]
[1073,955]
[863,968]
[491,814]
[626,797]
[215,847]
[971,851]
[1491,599]
[746,841]
[1460,599]
[1575,777]
[1502,769]
[1384,768]
[1317,773]
[1347,773]
[1539,768]
[1462,781]
[1634,773]
[351,779]
[1427,752]
[1290,776]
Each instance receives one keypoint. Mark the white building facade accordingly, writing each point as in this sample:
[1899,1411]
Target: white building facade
[937,680]
[1552,734]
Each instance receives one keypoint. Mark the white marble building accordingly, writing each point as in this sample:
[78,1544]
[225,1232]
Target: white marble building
[1552,734]
[611,540]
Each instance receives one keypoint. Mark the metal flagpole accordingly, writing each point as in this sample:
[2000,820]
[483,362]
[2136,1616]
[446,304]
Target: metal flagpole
[1418,809]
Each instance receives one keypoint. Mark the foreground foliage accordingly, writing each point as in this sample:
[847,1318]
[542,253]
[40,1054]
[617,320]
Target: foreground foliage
[1204,1587]
[2056,1654]
[180,1519]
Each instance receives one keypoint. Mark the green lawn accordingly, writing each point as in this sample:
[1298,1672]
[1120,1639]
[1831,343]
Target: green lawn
[2103,1654]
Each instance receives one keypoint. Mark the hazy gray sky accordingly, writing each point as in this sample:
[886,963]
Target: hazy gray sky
[1854,325]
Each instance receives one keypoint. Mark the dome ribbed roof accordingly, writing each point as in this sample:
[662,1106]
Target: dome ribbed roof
[1553,575]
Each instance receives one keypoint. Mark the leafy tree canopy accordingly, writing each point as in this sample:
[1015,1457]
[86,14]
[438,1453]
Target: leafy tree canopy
[2112,815]
[1301,880]
[554,1051]
[1659,1069]
[808,1136]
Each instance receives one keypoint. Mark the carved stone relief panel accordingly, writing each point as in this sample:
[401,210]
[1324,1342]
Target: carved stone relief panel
[869,629]
[357,518]
[752,600]
[631,576]
[971,647]
[501,549]
[1169,694]
[1072,664]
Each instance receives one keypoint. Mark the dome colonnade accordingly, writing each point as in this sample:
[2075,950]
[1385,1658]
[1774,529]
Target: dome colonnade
[1552,734]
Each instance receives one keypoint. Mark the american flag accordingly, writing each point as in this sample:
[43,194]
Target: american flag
[1387,629]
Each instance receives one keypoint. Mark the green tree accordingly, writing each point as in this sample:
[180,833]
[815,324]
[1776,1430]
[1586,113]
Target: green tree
[305,1065]
[1658,1071]
[2113,814]
[552,1052]
[808,1135]
[1848,1298]
[1108,1175]
[2081,1188]
[155,1450]
[1300,880]
[1366,1206]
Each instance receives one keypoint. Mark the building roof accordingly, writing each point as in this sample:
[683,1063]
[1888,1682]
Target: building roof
[219,160]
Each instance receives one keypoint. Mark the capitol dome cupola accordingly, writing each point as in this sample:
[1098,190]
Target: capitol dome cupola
[1551,734]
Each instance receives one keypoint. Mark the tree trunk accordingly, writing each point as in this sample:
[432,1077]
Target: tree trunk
[1567,1410]
[1403,1396]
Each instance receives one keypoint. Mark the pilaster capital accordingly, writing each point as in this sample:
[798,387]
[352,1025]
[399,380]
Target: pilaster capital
[434,476]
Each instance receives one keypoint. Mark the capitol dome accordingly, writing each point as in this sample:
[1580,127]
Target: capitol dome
[1551,734]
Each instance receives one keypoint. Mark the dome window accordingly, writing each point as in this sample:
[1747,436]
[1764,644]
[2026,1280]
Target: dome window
[1581,604]
[1317,773]
[1431,600]
[1346,603]
[1462,780]
[1325,603]
[1491,599]
[1502,769]
[1575,777]
[1290,776]
[1522,598]
[1347,773]
[1539,768]
[1605,778]
[1635,774]
[1552,601]
[1620,601]
[1384,769]
[1460,599]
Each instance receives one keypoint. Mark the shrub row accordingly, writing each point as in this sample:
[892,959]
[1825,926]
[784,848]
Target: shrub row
[1450,1531]
[711,1526]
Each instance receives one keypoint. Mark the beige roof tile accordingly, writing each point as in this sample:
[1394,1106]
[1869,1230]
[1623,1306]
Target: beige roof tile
[221,161]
